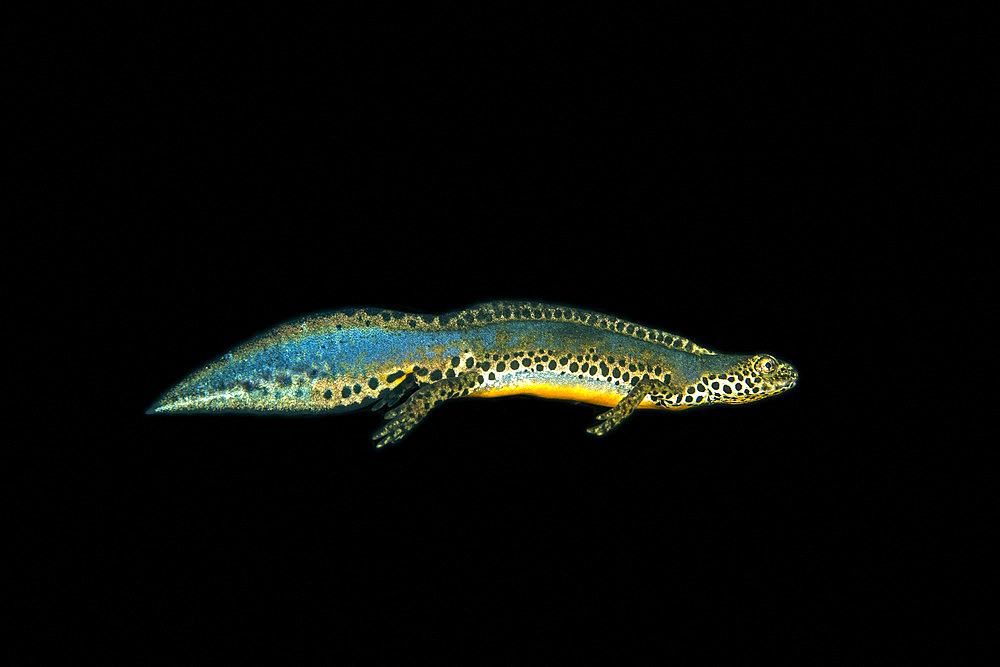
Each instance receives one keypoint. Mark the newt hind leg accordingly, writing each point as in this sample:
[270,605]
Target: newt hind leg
[655,389]
[402,418]
[397,393]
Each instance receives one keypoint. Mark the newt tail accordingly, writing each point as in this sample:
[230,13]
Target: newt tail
[408,363]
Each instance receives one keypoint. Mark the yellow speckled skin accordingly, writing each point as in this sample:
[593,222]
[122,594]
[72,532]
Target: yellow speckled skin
[354,358]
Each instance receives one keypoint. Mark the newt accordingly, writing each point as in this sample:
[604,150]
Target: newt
[410,363]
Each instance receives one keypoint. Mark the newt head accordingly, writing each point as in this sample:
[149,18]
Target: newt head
[756,377]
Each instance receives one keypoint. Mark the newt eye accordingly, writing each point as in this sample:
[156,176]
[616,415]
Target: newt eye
[765,364]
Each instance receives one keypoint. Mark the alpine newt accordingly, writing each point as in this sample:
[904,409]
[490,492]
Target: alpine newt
[408,363]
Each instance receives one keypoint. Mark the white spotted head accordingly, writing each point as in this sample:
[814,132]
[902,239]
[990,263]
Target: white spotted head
[756,377]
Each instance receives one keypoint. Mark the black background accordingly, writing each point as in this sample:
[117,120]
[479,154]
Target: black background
[745,182]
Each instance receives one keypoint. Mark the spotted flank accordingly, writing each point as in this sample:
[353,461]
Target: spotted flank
[407,364]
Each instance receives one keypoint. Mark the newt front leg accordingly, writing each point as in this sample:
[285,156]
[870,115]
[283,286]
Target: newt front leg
[656,389]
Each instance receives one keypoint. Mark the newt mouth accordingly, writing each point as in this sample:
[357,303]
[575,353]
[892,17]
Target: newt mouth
[787,378]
